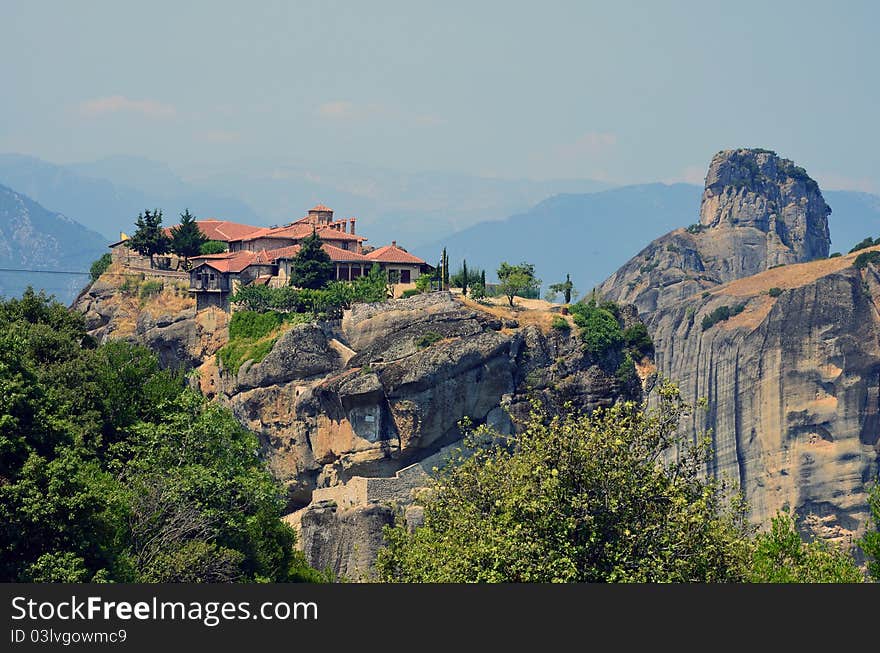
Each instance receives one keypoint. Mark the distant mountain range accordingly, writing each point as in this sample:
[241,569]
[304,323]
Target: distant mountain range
[106,196]
[590,235]
[411,208]
[584,228]
[33,238]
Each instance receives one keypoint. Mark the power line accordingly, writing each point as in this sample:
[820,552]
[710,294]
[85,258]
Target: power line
[44,271]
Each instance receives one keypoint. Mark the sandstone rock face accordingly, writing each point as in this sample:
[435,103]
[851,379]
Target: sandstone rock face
[344,540]
[353,416]
[758,211]
[791,381]
[357,405]
[793,389]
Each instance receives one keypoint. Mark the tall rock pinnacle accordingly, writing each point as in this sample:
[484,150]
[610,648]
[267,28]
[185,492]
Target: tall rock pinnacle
[758,211]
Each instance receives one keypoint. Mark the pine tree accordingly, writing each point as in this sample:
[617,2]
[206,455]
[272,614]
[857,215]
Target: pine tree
[444,281]
[311,267]
[186,238]
[149,238]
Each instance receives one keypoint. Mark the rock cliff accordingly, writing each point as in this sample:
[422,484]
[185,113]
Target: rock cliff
[787,352]
[758,211]
[352,415]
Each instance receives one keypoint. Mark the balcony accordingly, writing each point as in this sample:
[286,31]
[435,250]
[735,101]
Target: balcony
[203,284]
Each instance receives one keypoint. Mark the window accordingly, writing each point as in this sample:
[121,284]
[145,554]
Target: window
[404,276]
[393,276]
[212,276]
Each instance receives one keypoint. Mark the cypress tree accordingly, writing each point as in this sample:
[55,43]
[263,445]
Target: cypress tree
[464,278]
[311,267]
[186,238]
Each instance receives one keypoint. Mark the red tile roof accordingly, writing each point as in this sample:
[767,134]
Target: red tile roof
[393,254]
[299,230]
[222,230]
[337,254]
[233,262]
[321,207]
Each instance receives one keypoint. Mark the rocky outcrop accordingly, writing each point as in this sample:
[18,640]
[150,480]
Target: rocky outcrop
[352,405]
[166,322]
[793,388]
[758,211]
[787,352]
[354,415]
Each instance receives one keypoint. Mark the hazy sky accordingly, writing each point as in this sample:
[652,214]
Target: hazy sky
[621,91]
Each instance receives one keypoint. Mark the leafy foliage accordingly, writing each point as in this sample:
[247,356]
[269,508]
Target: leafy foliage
[517,280]
[311,267]
[150,288]
[100,266]
[186,238]
[113,471]
[779,556]
[696,228]
[149,238]
[560,323]
[870,542]
[576,498]
[325,303]
[427,339]
[864,244]
[213,247]
[466,278]
[863,259]
[566,288]
[720,314]
[600,327]
[774,291]
[253,334]
[637,340]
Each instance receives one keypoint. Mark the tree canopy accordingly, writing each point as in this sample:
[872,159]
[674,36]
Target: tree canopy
[213,247]
[113,471]
[311,267]
[186,238]
[149,238]
[576,498]
[516,280]
[596,498]
[566,288]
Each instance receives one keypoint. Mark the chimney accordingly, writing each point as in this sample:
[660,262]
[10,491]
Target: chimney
[344,226]
[351,220]
[394,243]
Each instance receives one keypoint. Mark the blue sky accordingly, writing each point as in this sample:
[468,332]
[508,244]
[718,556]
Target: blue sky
[620,91]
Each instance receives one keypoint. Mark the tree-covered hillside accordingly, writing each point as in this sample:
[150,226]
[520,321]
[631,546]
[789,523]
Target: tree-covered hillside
[111,470]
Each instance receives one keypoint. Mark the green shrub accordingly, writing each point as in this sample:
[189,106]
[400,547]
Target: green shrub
[778,265]
[100,266]
[696,228]
[560,323]
[600,328]
[410,292]
[236,352]
[864,258]
[131,284]
[252,325]
[867,242]
[705,294]
[151,289]
[626,372]
[427,339]
[834,254]
[637,340]
[774,291]
[721,314]
[212,247]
